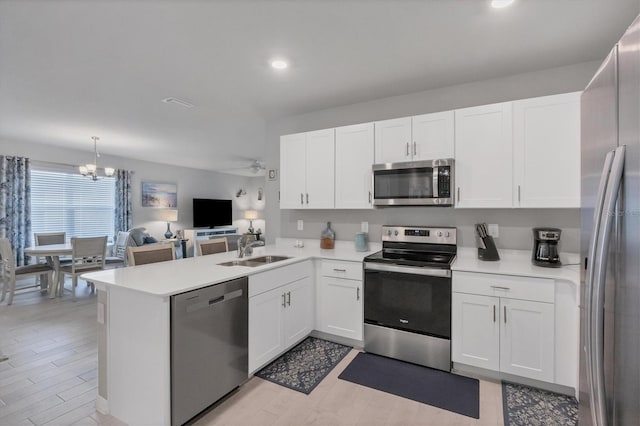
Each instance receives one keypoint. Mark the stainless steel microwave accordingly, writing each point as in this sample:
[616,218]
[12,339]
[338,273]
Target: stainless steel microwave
[414,183]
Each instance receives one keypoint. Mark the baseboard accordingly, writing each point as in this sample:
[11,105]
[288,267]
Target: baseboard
[102,405]
[358,344]
[468,370]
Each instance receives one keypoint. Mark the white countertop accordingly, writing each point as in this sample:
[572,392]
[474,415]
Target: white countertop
[517,262]
[168,278]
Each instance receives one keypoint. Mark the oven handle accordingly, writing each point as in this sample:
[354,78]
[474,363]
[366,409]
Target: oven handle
[432,272]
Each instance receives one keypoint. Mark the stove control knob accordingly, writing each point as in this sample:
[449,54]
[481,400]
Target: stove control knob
[446,234]
[389,232]
[395,233]
[439,233]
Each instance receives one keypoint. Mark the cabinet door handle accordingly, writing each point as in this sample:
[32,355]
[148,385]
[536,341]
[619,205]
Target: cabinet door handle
[415,149]
[497,287]
[339,270]
[358,293]
[458,194]
[369,197]
[518,193]
[307,198]
[505,314]
[494,313]
[408,153]
[301,198]
[284,301]
[288,298]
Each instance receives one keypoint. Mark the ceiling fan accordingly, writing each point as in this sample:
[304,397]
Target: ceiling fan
[254,167]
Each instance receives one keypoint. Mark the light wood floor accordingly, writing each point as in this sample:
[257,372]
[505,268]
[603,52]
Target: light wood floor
[50,379]
[338,402]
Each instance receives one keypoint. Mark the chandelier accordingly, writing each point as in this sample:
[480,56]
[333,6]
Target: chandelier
[91,170]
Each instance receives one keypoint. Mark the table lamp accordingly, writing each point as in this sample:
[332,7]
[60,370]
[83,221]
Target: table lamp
[251,215]
[169,216]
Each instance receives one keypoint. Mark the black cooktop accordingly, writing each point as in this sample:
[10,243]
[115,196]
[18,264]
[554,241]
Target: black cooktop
[412,258]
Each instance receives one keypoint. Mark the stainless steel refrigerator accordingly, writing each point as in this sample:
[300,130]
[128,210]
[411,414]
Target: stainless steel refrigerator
[610,215]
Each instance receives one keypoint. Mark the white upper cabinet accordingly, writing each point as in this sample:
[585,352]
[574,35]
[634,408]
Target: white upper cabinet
[422,137]
[546,134]
[433,136]
[393,140]
[484,156]
[307,170]
[293,170]
[354,158]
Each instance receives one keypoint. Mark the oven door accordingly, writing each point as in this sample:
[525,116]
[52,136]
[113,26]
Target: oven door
[411,299]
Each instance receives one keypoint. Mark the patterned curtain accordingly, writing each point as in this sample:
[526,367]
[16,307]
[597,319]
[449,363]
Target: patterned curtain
[124,207]
[15,204]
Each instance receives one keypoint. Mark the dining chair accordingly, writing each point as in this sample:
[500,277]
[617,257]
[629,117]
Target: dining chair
[10,272]
[47,239]
[87,255]
[212,246]
[119,254]
[151,254]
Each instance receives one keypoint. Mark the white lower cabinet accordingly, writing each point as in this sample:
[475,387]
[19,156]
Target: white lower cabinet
[340,308]
[493,331]
[281,314]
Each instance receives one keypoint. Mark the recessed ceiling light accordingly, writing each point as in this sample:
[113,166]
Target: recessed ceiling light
[279,64]
[499,4]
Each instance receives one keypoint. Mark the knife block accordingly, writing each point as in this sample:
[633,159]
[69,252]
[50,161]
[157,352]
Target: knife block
[487,249]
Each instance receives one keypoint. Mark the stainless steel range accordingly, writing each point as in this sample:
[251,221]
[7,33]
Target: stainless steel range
[407,295]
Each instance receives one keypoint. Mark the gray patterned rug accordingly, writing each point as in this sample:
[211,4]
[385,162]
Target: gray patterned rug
[305,365]
[527,406]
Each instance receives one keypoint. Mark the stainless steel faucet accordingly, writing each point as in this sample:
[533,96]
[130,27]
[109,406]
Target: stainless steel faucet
[246,247]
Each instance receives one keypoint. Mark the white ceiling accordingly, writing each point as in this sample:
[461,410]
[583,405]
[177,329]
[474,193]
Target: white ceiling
[73,69]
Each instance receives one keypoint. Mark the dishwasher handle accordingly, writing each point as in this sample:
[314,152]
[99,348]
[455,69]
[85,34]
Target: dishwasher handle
[215,301]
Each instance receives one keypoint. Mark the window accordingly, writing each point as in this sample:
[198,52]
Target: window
[69,202]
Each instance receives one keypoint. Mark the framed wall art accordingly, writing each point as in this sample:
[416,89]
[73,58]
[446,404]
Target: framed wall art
[160,195]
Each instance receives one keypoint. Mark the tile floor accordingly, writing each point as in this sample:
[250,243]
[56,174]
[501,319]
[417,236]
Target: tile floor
[50,379]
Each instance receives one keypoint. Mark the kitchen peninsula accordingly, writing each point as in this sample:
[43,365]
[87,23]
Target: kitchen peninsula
[134,315]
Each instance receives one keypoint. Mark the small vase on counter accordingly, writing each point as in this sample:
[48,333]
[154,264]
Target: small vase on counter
[361,241]
[327,238]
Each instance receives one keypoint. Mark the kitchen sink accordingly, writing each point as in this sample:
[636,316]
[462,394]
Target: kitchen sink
[256,261]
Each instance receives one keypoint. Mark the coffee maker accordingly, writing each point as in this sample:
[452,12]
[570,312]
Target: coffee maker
[545,247]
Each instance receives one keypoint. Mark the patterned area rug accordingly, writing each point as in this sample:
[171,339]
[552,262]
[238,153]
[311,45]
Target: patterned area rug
[304,366]
[527,406]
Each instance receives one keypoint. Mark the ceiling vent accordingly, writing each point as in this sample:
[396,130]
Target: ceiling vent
[177,101]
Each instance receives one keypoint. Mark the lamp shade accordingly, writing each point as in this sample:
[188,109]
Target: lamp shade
[169,216]
[250,214]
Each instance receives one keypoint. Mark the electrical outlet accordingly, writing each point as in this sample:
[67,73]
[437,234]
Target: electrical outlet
[300,225]
[364,226]
[493,230]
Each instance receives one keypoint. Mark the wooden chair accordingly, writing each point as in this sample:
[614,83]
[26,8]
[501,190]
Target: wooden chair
[150,254]
[47,239]
[212,246]
[119,257]
[88,255]
[10,271]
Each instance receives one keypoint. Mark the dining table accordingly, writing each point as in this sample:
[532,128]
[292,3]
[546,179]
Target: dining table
[52,254]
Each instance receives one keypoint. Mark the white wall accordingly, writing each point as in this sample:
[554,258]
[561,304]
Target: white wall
[515,231]
[192,183]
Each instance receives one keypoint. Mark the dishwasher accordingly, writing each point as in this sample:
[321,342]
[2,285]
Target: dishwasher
[209,346]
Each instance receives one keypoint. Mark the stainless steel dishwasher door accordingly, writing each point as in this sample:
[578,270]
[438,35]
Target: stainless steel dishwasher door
[209,346]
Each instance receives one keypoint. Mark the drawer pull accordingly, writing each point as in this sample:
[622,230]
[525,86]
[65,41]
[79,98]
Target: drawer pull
[339,270]
[494,313]
[505,314]
[497,287]
[358,293]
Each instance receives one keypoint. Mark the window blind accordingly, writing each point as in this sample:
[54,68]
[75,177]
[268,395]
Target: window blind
[72,203]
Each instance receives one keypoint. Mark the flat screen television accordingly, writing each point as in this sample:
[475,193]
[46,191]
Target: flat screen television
[208,213]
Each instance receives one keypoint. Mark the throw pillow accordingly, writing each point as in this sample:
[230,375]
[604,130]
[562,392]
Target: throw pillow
[149,240]
[137,235]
